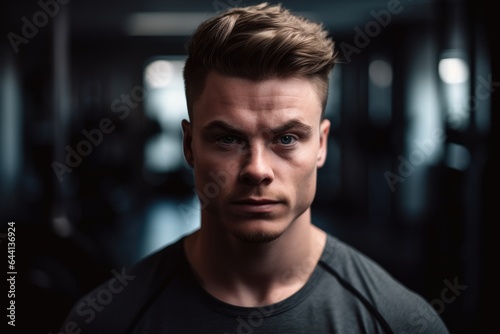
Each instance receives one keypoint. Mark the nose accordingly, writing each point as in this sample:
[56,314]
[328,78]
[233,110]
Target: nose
[256,169]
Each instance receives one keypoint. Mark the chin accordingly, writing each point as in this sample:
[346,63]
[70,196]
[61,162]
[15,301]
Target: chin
[256,237]
[258,234]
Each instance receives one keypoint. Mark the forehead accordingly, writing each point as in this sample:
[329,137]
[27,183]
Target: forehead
[223,95]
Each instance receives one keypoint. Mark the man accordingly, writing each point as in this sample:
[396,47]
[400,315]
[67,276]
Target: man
[256,85]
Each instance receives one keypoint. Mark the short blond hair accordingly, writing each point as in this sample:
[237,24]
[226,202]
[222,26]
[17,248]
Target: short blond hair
[259,42]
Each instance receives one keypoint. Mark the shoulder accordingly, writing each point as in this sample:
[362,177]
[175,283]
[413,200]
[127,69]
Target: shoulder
[403,309]
[355,267]
[113,305]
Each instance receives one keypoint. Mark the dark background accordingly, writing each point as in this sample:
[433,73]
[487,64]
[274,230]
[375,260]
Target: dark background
[433,228]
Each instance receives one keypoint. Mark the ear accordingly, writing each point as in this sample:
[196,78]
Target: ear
[187,142]
[324,130]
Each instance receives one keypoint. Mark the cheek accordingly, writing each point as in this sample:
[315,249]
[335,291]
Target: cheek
[214,176]
[306,164]
[308,182]
[303,178]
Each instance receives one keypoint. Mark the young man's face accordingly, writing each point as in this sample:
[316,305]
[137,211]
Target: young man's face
[255,148]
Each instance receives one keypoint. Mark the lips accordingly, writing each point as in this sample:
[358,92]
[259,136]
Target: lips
[256,201]
[256,204]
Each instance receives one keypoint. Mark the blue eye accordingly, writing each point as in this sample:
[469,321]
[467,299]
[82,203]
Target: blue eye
[287,140]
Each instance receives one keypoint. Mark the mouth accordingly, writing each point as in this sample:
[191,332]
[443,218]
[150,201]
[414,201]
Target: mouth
[256,204]
[256,201]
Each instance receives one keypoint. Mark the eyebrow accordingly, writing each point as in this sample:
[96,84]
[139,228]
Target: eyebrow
[292,124]
[220,125]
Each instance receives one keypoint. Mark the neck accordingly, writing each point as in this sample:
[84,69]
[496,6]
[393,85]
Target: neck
[255,274]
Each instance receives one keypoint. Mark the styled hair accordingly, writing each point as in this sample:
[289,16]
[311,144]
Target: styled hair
[258,42]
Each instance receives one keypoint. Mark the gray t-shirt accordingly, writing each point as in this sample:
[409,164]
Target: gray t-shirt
[346,293]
